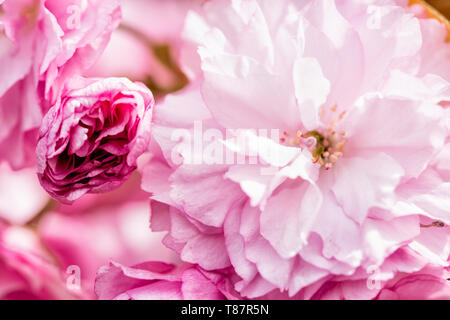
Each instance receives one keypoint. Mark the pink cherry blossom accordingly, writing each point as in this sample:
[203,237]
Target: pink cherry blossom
[422,283]
[353,177]
[92,136]
[161,281]
[26,270]
[362,284]
[42,43]
[91,237]
[427,284]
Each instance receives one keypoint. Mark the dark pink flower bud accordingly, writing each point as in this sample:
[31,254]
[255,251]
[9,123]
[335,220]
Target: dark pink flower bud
[91,138]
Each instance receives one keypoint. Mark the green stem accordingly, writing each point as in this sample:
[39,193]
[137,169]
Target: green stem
[49,206]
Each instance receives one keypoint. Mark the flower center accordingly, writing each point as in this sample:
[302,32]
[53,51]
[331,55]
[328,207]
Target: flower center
[326,144]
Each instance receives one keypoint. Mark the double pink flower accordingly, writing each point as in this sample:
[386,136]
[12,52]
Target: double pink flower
[91,138]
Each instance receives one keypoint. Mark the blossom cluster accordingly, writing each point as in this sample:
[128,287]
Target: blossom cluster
[289,149]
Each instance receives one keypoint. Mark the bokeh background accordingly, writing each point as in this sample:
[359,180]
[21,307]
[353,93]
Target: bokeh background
[442,6]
